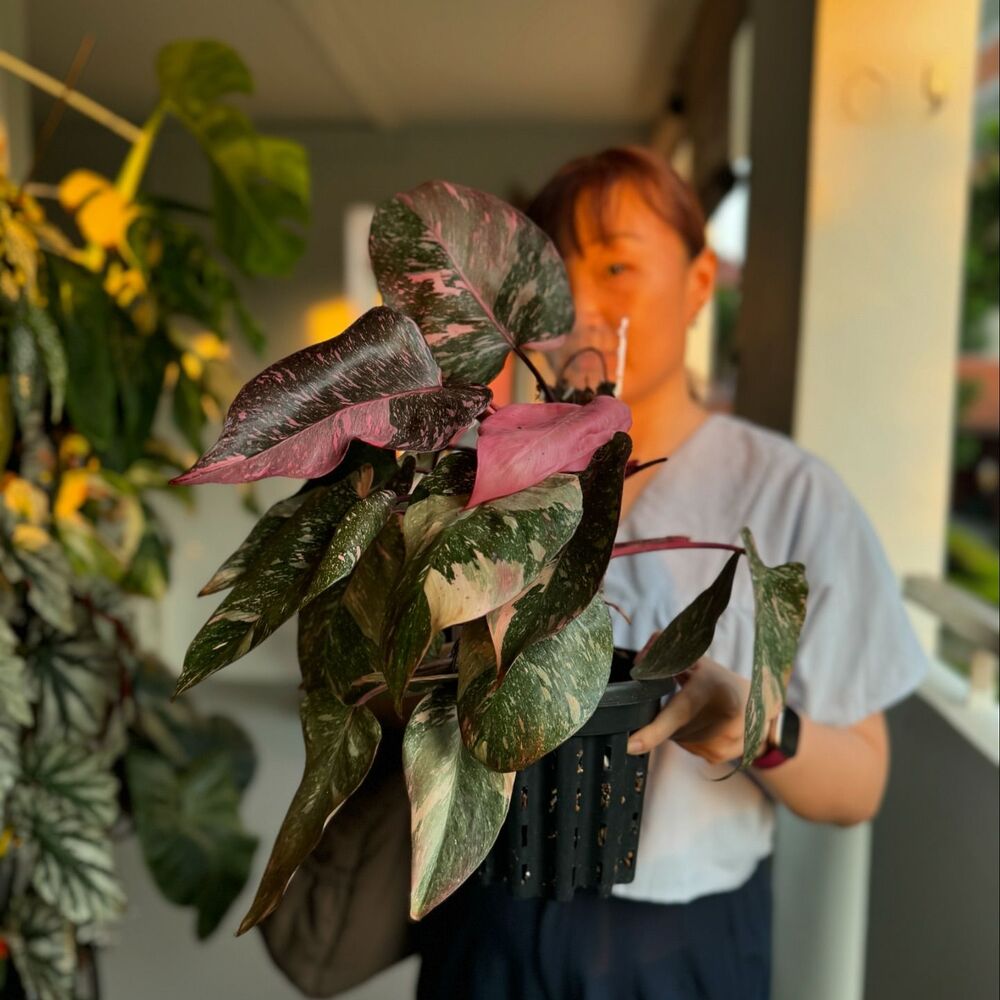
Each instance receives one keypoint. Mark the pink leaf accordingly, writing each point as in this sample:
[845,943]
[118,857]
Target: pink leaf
[524,443]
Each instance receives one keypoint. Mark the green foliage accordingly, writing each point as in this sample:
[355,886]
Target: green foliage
[982,245]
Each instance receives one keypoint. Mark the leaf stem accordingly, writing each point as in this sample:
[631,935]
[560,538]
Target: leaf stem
[631,470]
[668,542]
[546,390]
[135,163]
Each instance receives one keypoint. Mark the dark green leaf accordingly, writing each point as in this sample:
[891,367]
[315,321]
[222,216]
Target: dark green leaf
[51,348]
[690,634]
[189,827]
[457,806]
[188,413]
[43,947]
[551,689]
[340,747]
[476,275]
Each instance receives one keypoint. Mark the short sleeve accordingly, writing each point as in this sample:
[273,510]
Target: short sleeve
[858,652]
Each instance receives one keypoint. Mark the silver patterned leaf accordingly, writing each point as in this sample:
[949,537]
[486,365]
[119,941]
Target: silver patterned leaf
[461,564]
[73,869]
[43,948]
[377,382]
[272,590]
[340,747]
[10,755]
[49,588]
[457,806]
[476,275]
[17,687]
[77,777]
[187,819]
[779,596]
[690,634]
[550,690]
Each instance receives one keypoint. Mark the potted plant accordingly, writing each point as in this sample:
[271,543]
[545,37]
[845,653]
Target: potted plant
[466,577]
[92,334]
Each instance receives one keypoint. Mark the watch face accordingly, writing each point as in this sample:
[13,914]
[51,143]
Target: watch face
[789,741]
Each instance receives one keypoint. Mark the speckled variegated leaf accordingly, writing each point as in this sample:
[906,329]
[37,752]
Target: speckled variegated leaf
[690,634]
[460,564]
[567,586]
[48,574]
[340,747]
[372,582]
[377,382]
[358,529]
[779,596]
[17,687]
[549,692]
[10,755]
[43,947]
[75,776]
[476,275]
[272,590]
[73,869]
[454,475]
[253,545]
[457,806]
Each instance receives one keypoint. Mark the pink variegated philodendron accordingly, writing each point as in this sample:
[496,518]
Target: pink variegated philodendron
[467,576]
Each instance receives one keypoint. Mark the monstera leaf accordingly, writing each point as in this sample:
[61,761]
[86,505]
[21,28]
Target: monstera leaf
[340,747]
[457,806]
[272,590]
[567,585]
[43,947]
[690,634]
[478,277]
[260,183]
[546,695]
[779,597]
[192,839]
[460,564]
[376,382]
[524,443]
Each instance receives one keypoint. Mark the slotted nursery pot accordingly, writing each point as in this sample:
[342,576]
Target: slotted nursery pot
[575,814]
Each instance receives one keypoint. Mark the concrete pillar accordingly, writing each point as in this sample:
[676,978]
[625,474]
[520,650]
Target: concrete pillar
[860,147]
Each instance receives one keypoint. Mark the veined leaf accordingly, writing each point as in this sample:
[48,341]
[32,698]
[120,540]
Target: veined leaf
[550,690]
[189,827]
[690,634]
[260,183]
[73,870]
[272,590]
[460,564]
[566,587]
[457,806]
[376,382]
[476,275]
[779,595]
[54,356]
[10,755]
[340,747]
[43,948]
[524,443]
[49,591]
[76,777]
[17,687]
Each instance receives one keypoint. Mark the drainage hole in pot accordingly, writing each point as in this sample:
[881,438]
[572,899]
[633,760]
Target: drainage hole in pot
[553,798]
[635,824]
[640,780]
[607,758]
[525,873]
[579,796]
[629,859]
[524,798]
[524,836]
[606,794]
[579,761]
[602,835]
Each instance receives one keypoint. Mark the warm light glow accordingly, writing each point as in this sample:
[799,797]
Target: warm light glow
[329,318]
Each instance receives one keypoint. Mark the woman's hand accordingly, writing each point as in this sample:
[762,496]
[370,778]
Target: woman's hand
[705,717]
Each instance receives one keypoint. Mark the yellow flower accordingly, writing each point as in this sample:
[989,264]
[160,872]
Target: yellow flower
[72,448]
[102,214]
[25,499]
[30,537]
[124,285]
[210,346]
[192,366]
[74,488]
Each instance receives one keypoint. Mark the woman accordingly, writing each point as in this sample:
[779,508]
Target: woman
[695,923]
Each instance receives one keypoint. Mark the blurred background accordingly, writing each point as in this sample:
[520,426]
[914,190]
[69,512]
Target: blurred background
[847,155]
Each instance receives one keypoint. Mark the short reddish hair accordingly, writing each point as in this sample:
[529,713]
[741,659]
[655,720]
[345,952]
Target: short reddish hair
[665,191]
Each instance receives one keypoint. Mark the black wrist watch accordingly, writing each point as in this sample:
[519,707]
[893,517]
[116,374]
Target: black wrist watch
[785,743]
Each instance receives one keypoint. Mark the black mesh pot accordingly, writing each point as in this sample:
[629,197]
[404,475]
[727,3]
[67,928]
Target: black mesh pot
[574,815]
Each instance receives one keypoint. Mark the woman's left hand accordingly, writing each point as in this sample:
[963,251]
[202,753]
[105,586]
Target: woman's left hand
[705,717]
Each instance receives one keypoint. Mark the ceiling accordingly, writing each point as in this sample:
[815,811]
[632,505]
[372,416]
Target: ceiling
[387,62]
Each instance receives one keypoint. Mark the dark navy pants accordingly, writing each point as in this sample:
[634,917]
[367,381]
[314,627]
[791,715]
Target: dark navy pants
[481,944]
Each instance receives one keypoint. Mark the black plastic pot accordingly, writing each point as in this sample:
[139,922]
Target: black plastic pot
[574,815]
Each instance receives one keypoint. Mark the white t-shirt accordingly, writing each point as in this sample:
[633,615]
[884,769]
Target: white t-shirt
[858,653]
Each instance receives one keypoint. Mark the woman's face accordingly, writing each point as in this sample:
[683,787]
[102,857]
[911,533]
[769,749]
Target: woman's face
[636,267]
